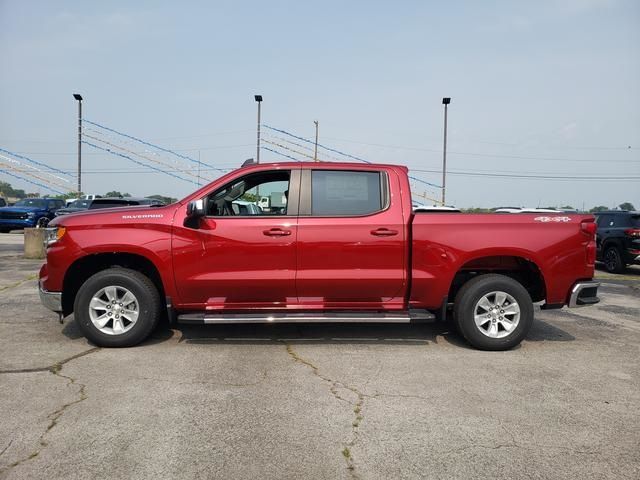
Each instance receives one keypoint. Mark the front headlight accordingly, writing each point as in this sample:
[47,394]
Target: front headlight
[53,234]
[31,215]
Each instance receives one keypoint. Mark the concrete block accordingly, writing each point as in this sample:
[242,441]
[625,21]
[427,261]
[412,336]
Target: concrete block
[34,243]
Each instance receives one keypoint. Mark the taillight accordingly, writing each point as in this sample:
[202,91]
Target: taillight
[632,232]
[588,227]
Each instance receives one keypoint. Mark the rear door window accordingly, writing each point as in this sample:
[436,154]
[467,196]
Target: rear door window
[621,221]
[346,193]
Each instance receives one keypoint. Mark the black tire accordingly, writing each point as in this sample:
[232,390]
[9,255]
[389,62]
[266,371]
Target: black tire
[145,293]
[464,311]
[612,260]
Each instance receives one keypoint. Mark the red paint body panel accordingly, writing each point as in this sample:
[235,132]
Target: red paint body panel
[343,264]
[229,263]
[444,243]
[332,263]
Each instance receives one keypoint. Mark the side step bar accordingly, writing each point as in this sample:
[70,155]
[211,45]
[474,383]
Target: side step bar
[296,317]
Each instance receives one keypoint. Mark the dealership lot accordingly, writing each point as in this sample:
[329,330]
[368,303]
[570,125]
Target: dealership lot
[339,401]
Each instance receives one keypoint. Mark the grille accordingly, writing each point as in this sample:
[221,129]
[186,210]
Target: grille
[13,215]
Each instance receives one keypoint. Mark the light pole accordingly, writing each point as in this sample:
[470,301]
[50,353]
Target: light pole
[315,150]
[78,97]
[445,101]
[259,100]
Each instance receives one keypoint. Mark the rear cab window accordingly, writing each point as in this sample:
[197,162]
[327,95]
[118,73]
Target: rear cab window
[347,193]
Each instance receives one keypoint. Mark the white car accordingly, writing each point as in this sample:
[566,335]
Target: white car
[241,207]
[435,208]
[526,210]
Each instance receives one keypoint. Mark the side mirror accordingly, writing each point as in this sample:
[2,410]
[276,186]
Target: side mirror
[195,209]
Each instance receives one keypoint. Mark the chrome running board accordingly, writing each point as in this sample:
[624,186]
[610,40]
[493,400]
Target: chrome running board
[297,317]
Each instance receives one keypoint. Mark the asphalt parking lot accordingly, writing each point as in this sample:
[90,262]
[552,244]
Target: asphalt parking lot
[368,401]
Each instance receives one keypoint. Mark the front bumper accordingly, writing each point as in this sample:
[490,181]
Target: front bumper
[51,300]
[583,294]
[16,223]
[632,257]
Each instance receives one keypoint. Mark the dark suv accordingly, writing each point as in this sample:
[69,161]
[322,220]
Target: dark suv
[28,212]
[618,239]
[106,202]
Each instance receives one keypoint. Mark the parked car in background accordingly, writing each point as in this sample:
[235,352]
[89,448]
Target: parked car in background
[26,213]
[3,202]
[111,202]
[106,202]
[618,239]
[241,207]
[76,206]
[435,209]
[525,210]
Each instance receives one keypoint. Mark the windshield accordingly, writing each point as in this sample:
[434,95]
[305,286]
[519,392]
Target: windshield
[80,204]
[111,203]
[31,202]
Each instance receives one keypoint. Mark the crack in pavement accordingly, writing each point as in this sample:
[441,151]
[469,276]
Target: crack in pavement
[334,385]
[54,416]
[514,444]
[20,282]
[5,448]
[263,377]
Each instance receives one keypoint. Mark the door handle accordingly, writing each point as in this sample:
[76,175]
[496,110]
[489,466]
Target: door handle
[384,232]
[276,232]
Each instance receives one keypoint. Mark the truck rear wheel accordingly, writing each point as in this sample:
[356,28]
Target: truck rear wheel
[117,307]
[493,312]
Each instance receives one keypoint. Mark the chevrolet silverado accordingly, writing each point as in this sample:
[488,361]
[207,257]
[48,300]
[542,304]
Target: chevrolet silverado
[346,247]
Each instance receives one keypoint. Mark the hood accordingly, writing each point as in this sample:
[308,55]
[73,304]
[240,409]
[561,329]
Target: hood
[21,209]
[138,214]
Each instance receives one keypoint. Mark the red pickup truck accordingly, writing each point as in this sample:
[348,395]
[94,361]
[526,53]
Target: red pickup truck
[345,247]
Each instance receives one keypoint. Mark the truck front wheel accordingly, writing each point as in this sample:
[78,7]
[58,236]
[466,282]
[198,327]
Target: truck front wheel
[117,307]
[493,312]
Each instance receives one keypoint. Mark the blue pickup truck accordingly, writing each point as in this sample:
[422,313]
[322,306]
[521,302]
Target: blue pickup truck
[27,212]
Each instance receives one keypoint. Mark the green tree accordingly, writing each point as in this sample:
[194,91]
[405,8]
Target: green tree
[626,206]
[6,190]
[162,198]
[249,197]
[599,208]
[115,193]
[68,195]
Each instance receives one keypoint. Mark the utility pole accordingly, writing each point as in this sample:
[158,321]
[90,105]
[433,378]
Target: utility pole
[78,97]
[198,168]
[315,150]
[258,99]
[445,101]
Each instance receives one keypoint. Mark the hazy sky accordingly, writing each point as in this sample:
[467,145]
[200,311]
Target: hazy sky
[545,88]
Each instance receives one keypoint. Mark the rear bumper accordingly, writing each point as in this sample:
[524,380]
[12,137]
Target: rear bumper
[51,300]
[632,257]
[583,294]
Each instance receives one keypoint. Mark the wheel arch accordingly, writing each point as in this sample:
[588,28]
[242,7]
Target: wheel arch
[86,266]
[522,269]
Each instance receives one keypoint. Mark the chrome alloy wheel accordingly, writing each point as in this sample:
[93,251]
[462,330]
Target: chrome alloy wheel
[496,314]
[114,310]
